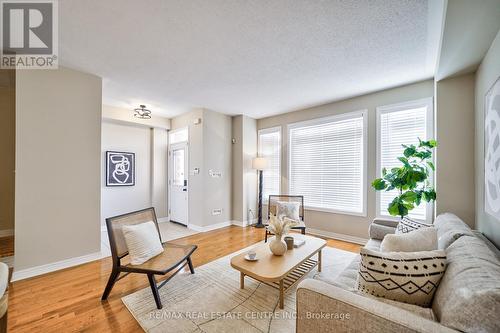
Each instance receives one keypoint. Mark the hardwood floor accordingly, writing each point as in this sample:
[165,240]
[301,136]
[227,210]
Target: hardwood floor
[69,300]
[6,246]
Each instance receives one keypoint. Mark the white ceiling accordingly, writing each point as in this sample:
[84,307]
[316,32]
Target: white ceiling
[256,57]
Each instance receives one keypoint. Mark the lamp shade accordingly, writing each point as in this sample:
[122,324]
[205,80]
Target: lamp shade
[259,163]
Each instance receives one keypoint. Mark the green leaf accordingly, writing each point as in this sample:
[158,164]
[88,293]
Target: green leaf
[379,184]
[404,160]
[409,196]
[384,171]
[431,165]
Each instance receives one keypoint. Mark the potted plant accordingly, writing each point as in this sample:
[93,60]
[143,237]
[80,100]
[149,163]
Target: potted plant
[411,180]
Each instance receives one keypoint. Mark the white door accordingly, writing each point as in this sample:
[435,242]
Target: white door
[178,182]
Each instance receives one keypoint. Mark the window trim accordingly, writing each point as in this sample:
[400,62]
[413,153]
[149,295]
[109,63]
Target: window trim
[347,115]
[267,131]
[380,110]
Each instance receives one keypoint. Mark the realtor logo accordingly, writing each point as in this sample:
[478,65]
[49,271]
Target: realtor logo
[29,34]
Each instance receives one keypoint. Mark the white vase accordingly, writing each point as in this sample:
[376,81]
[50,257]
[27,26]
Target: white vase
[277,246]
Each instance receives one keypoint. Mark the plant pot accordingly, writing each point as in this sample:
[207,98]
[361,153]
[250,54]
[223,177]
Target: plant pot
[277,246]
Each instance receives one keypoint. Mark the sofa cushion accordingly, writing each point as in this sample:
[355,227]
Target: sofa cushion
[468,298]
[410,277]
[423,239]
[450,228]
[407,225]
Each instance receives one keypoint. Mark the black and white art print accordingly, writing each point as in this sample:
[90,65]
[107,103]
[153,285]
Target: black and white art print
[120,168]
[492,151]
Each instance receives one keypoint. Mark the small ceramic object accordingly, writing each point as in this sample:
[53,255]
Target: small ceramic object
[251,256]
[289,242]
[277,246]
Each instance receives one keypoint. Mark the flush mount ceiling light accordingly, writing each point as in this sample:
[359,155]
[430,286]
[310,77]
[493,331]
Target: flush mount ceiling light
[142,113]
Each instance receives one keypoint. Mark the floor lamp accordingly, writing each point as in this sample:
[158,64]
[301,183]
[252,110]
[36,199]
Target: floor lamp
[259,163]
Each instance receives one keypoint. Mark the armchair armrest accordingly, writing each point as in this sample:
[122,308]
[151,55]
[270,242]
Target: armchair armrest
[322,307]
[381,227]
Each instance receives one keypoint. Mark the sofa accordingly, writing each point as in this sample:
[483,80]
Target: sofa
[467,298]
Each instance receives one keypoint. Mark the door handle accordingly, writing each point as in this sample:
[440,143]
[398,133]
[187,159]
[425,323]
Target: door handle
[184,189]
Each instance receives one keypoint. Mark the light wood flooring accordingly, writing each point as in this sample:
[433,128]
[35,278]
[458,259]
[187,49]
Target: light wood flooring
[69,300]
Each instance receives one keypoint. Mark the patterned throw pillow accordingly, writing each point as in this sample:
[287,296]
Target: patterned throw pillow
[407,225]
[142,242]
[288,209]
[409,277]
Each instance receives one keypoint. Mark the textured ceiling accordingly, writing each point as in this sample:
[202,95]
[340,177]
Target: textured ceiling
[255,57]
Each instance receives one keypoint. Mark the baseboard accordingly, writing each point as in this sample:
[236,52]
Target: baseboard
[6,232]
[55,266]
[209,227]
[243,224]
[163,219]
[334,235]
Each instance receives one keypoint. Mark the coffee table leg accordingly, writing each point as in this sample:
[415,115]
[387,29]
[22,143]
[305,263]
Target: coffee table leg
[319,261]
[242,280]
[282,295]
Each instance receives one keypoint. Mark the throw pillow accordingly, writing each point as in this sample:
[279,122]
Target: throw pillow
[409,277]
[423,239]
[407,225]
[288,209]
[142,242]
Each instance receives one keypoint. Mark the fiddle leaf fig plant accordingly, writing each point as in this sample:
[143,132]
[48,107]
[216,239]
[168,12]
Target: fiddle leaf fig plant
[411,180]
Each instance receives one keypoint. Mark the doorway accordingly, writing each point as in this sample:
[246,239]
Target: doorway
[178,162]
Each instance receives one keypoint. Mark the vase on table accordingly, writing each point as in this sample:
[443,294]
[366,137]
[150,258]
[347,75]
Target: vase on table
[278,246]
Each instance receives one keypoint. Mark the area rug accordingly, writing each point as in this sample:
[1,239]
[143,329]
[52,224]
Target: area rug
[211,300]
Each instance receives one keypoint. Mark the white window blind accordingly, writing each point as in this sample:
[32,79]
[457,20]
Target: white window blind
[327,163]
[270,148]
[398,125]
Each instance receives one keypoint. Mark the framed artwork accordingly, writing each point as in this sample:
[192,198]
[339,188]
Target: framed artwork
[120,168]
[492,151]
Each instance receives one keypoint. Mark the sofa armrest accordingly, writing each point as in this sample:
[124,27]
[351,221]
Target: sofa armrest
[322,307]
[381,227]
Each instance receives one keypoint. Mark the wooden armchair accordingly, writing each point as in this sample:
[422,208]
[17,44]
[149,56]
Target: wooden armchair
[272,209]
[173,258]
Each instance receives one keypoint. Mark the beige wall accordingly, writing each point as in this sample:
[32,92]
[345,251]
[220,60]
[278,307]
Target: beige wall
[150,189]
[58,166]
[244,186]
[7,149]
[455,153]
[486,75]
[353,226]
[209,149]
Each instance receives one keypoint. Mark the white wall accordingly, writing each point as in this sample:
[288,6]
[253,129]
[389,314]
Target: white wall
[209,149]
[455,151]
[343,224]
[486,75]
[150,148]
[58,166]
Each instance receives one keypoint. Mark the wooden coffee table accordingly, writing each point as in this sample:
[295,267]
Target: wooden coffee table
[280,272]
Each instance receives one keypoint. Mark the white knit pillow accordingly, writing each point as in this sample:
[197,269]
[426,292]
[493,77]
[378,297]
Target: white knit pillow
[288,209]
[423,239]
[409,277]
[143,242]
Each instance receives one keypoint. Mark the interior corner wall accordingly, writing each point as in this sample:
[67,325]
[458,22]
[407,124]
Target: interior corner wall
[7,149]
[487,74]
[244,179]
[454,115]
[58,166]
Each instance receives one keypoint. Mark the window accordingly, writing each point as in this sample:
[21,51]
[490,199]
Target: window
[178,135]
[327,163]
[396,125]
[270,147]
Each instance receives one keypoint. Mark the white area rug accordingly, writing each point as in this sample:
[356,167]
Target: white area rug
[211,300]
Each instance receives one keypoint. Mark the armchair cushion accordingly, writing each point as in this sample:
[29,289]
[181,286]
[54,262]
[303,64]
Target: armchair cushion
[143,241]
[288,209]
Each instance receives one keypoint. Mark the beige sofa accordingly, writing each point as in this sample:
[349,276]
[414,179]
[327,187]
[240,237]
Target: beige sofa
[467,299]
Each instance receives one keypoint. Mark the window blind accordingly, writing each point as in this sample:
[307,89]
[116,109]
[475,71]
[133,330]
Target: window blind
[270,147]
[327,163]
[397,127]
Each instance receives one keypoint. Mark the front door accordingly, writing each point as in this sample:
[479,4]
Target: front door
[178,182]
